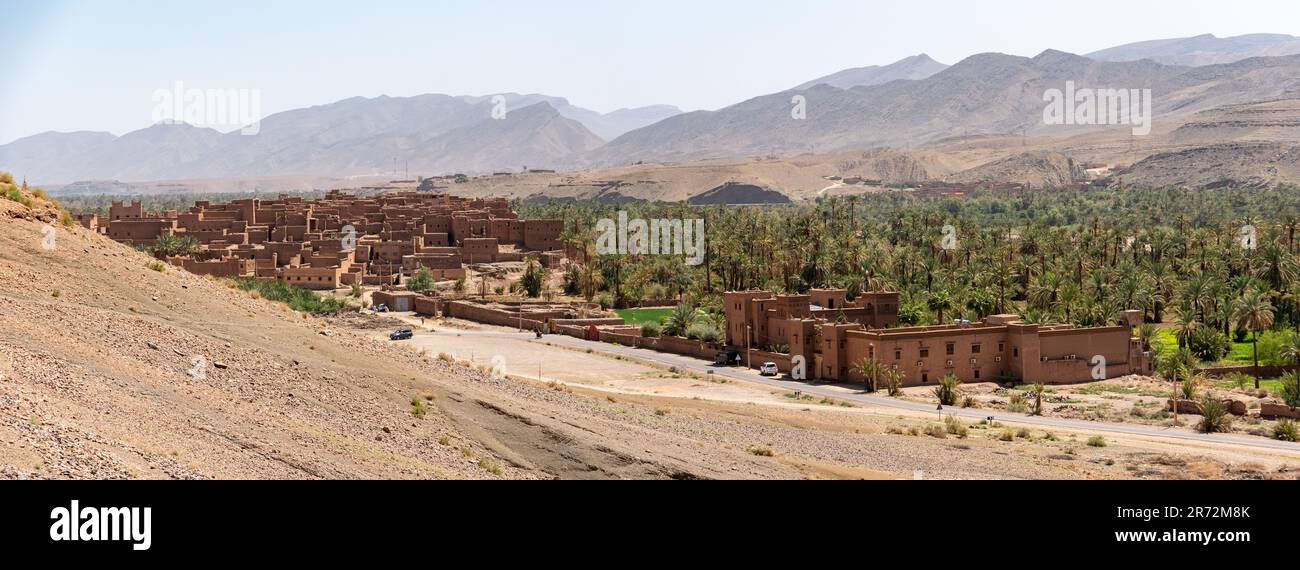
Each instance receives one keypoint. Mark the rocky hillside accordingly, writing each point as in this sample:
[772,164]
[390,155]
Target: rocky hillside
[1234,164]
[21,202]
[1274,120]
[1038,170]
[112,369]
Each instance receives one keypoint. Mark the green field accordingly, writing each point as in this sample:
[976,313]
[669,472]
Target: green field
[1274,386]
[642,316]
[1167,341]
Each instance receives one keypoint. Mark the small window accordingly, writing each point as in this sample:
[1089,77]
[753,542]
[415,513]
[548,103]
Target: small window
[977,374]
[1015,351]
[898,355]
[925,378]
[925,353]
[1002,347]
[975,348]
[952,349]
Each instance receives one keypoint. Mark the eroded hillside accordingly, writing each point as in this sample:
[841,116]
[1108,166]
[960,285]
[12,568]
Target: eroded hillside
[101,378]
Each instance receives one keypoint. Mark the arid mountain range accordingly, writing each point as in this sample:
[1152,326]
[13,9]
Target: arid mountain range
[1233,102]
[1204,49]
[915,67]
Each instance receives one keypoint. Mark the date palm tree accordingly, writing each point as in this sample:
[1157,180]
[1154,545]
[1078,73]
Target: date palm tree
[1276,266]
[1176,366]
[871,371]
[1290,348]
[1255,312]
[939,301]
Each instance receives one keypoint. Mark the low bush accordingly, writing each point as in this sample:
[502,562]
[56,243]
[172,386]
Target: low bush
[703,332]
[298,299]
[1016,404]
[651,329]
[489,466]
[947,390]
[1239,381]
[1209,344]
[1286,430]
[1290,392]
[1214,416]
[955,427]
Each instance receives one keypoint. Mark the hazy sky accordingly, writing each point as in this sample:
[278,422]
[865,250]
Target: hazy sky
[94,65]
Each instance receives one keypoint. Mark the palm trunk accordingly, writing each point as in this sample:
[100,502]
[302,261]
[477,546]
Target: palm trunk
[1255,348]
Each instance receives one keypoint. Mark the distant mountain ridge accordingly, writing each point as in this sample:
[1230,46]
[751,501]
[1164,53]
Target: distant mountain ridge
[915,67]
[1247,95]
[985,94]
[1205,49]
[426,133]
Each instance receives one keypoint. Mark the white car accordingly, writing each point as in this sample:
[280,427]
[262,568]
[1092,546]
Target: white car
[769,369]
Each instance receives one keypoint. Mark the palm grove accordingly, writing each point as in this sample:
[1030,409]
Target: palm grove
[1216,266]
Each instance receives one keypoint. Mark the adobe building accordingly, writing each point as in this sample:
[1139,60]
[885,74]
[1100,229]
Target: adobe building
[760,319]
[339,240]
[396,301]
[832,341]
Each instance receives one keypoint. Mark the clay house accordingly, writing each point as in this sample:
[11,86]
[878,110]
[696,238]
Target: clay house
[832,341]
[89,221]
[761,320]
[338,240]
[396,301]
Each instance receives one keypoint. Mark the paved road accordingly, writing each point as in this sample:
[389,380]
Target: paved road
[693,364]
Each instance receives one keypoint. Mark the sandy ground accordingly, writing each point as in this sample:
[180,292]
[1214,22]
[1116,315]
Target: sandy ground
[1132,400]
[1058,453]
[545,363]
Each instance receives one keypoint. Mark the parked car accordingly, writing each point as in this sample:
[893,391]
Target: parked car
[401,334]
[726,358]
[769,369]
[381,308]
